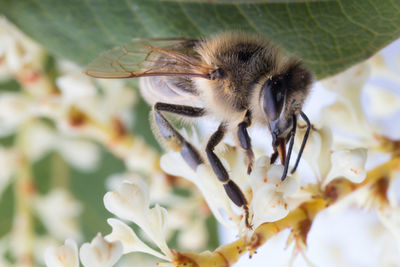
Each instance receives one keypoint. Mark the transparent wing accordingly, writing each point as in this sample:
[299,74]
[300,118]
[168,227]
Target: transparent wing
[150,57]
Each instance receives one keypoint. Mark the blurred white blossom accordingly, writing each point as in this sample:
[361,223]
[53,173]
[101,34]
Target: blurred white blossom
[383,103]
[140,157]
[100,252]
[63,256]
[59,212]
[347,113]
[193,236]
[15,109]
[41,139]
[16,50]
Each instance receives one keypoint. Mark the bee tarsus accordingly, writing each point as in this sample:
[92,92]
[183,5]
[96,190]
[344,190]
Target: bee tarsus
[245,141]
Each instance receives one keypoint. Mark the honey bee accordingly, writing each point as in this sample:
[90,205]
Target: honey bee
[237,78]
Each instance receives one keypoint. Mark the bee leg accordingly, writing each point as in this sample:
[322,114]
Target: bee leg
[289,153]
[274,156]
[172,137]
[231,188]
[245,141]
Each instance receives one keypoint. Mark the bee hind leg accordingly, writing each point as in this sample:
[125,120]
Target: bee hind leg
[231,188]
[171,137]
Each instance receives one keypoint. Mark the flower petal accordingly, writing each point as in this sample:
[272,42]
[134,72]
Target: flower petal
[349,164]
[100,253]
[61,223]
[129,240]
[269,192]
[157,226]
[129,202]
[205,180]
[268,206]
[63,256]
[82,154]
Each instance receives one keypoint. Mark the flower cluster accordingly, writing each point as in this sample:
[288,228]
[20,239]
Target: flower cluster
[99,252]
[60,115]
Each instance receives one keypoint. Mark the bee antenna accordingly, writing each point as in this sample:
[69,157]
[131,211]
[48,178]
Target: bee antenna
[292,134]
[303,144]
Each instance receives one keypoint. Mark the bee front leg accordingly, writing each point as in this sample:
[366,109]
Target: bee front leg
[245,141]
[231,188]
[171,137]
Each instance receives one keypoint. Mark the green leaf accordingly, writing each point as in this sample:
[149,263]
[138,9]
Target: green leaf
[329,35]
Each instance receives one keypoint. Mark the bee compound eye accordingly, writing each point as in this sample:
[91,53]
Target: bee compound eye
[272,98]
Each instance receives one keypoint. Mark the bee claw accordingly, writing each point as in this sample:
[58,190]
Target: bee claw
[249,161]
[249,168]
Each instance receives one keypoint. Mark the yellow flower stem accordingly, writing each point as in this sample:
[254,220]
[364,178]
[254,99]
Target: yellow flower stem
[23,229]
[299,219]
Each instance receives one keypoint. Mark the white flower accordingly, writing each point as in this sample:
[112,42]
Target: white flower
[344,117]
[82,154]
[39,140]
[16,50]
[63,256]
[381,67]
[349,83]
[75,86]
[140,157]
[42,243]
[193,236]
[390,218]
[79,90]
[347,113]
[60,222]
[318,149]
[116,179]
[269,192]
[348,163]
[205,180]
[131,202]
[14,110]
[100,253]
[382,102]
[129,240]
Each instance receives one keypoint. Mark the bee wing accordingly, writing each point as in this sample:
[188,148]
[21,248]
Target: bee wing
[150,57]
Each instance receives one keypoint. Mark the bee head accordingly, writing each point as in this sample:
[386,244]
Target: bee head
[281,99]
